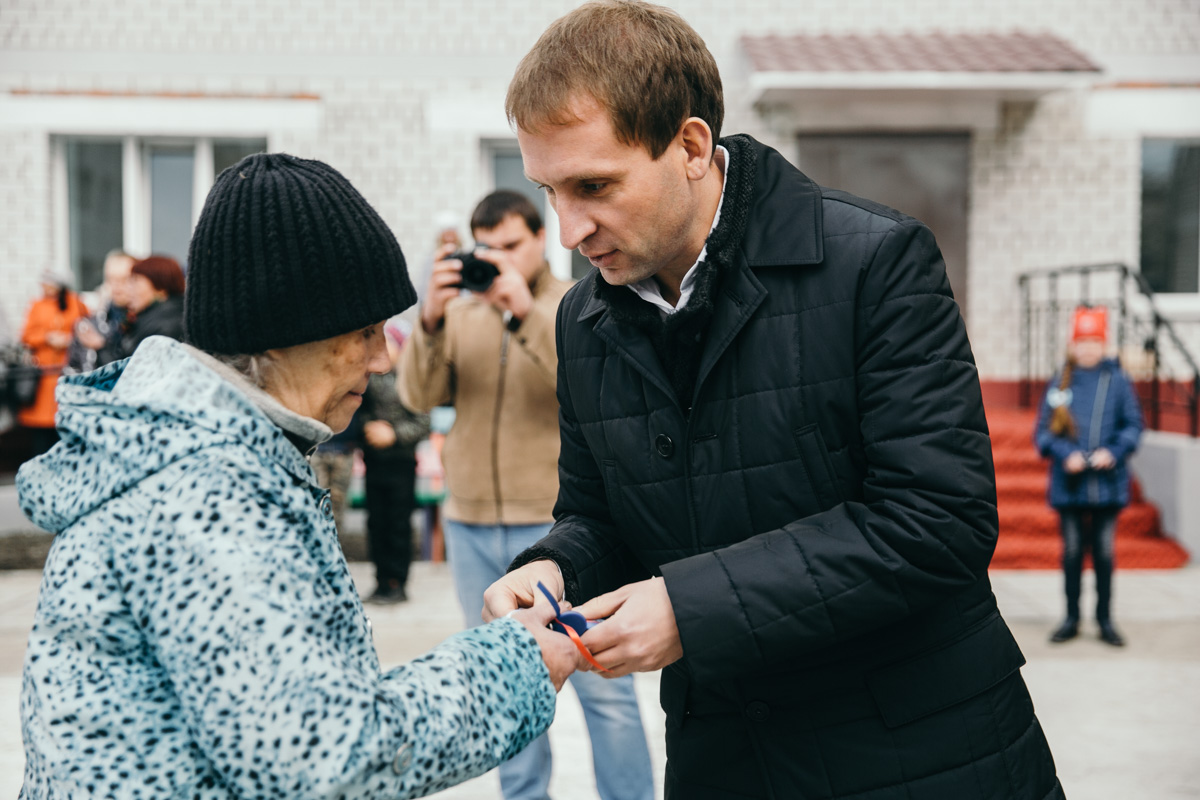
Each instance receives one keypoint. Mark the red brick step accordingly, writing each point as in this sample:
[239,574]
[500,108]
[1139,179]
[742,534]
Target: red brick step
[1029,537]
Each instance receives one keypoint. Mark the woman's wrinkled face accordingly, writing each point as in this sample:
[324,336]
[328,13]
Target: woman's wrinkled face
[325,380]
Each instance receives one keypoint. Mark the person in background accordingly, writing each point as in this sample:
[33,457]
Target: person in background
[198,633]
[7,413]
[390,433]
[103,328]
[1089,423]
[491,355]
[154,305]
[48,333]
[446,239]
[333,464]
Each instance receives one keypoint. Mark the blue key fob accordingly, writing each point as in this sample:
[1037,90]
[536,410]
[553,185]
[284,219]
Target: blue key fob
[579,623]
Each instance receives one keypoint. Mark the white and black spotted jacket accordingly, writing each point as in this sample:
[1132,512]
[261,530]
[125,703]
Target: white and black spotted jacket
[198,634]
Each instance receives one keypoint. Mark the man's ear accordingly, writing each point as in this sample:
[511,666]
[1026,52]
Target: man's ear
[697,141]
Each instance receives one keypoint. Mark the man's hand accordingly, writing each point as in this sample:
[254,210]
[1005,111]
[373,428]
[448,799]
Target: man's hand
[518,589]
[638,633]
[1102,459]
[443,287]
[379,434]
[1075,463]
[558,652]
[510,290]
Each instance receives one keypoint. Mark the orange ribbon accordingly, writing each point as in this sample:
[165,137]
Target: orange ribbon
[574,636]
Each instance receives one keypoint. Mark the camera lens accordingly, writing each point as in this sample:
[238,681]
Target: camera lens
[477,274]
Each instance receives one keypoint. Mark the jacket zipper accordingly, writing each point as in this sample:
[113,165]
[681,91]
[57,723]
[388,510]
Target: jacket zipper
[1094,433]
[496,427]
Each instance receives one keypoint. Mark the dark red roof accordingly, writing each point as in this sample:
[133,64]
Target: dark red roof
[910,52]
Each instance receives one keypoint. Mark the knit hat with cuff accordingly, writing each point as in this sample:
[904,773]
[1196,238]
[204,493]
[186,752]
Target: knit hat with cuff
[287,252]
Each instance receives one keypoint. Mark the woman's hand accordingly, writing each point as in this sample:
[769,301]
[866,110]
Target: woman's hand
[557,650]
[379,434]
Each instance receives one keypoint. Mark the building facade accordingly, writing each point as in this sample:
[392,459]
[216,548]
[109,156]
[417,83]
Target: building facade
[115,116]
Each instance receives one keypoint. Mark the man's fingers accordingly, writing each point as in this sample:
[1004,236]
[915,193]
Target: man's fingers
[540,613]
[604,605]
[505,595]
[445,274]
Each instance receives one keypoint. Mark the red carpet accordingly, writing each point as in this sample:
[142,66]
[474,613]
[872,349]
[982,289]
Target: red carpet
[1029,527]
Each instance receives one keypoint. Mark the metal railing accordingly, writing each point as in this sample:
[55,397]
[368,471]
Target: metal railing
[1150,346]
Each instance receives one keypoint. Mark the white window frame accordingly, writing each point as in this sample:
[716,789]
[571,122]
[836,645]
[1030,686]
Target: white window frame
[558,257]
[1177,305]
[135,186]
[1159,113]
[136,119]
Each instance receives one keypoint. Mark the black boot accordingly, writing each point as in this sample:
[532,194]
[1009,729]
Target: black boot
[1069,629]
[388,593]
[1109,634]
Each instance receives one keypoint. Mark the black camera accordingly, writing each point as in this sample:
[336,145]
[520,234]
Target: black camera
[477,274]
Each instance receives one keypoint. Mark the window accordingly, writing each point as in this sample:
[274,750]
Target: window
[138,194]
[94,199]
[172,169]
[508,172]
[1171,214]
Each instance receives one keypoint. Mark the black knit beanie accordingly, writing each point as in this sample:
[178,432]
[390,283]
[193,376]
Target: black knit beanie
[286,252]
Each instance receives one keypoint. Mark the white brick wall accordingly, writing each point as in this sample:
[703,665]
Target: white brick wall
[25,233]
[1043,190]
[1044,194]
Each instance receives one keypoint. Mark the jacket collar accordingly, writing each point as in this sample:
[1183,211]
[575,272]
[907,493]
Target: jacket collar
[304,432]
[785,224]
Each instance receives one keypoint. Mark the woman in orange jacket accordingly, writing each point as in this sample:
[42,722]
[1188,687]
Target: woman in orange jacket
[49,329]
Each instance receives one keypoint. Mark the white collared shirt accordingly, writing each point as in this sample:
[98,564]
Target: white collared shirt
[649,290]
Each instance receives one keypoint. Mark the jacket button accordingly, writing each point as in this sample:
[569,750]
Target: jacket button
[758,711]
[403,759]
[327,506]
[664,445]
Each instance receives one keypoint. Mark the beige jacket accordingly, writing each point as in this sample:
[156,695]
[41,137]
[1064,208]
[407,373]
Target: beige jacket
[501,456]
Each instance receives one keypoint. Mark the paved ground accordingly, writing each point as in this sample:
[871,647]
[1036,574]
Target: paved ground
[1122,723]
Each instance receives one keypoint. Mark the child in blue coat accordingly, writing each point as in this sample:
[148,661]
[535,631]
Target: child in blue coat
[1088,425]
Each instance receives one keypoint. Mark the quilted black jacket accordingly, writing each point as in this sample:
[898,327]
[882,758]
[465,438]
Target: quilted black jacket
[822,509]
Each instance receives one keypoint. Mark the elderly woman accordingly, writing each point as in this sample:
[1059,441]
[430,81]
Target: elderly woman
[197,632]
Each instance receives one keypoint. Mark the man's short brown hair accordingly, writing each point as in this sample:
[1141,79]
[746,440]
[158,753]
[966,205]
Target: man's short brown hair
[502,203]
[641,62]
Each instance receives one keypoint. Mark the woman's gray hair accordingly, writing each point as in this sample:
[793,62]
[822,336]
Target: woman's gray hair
[253,366]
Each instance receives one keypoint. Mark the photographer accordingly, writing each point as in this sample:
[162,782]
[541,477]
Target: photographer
[490,353]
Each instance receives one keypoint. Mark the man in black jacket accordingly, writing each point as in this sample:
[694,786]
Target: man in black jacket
[775,480]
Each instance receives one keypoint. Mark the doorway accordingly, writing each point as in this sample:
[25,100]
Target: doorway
[923,175]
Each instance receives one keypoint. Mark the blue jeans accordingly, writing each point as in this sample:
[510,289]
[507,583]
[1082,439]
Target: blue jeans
[479,555]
